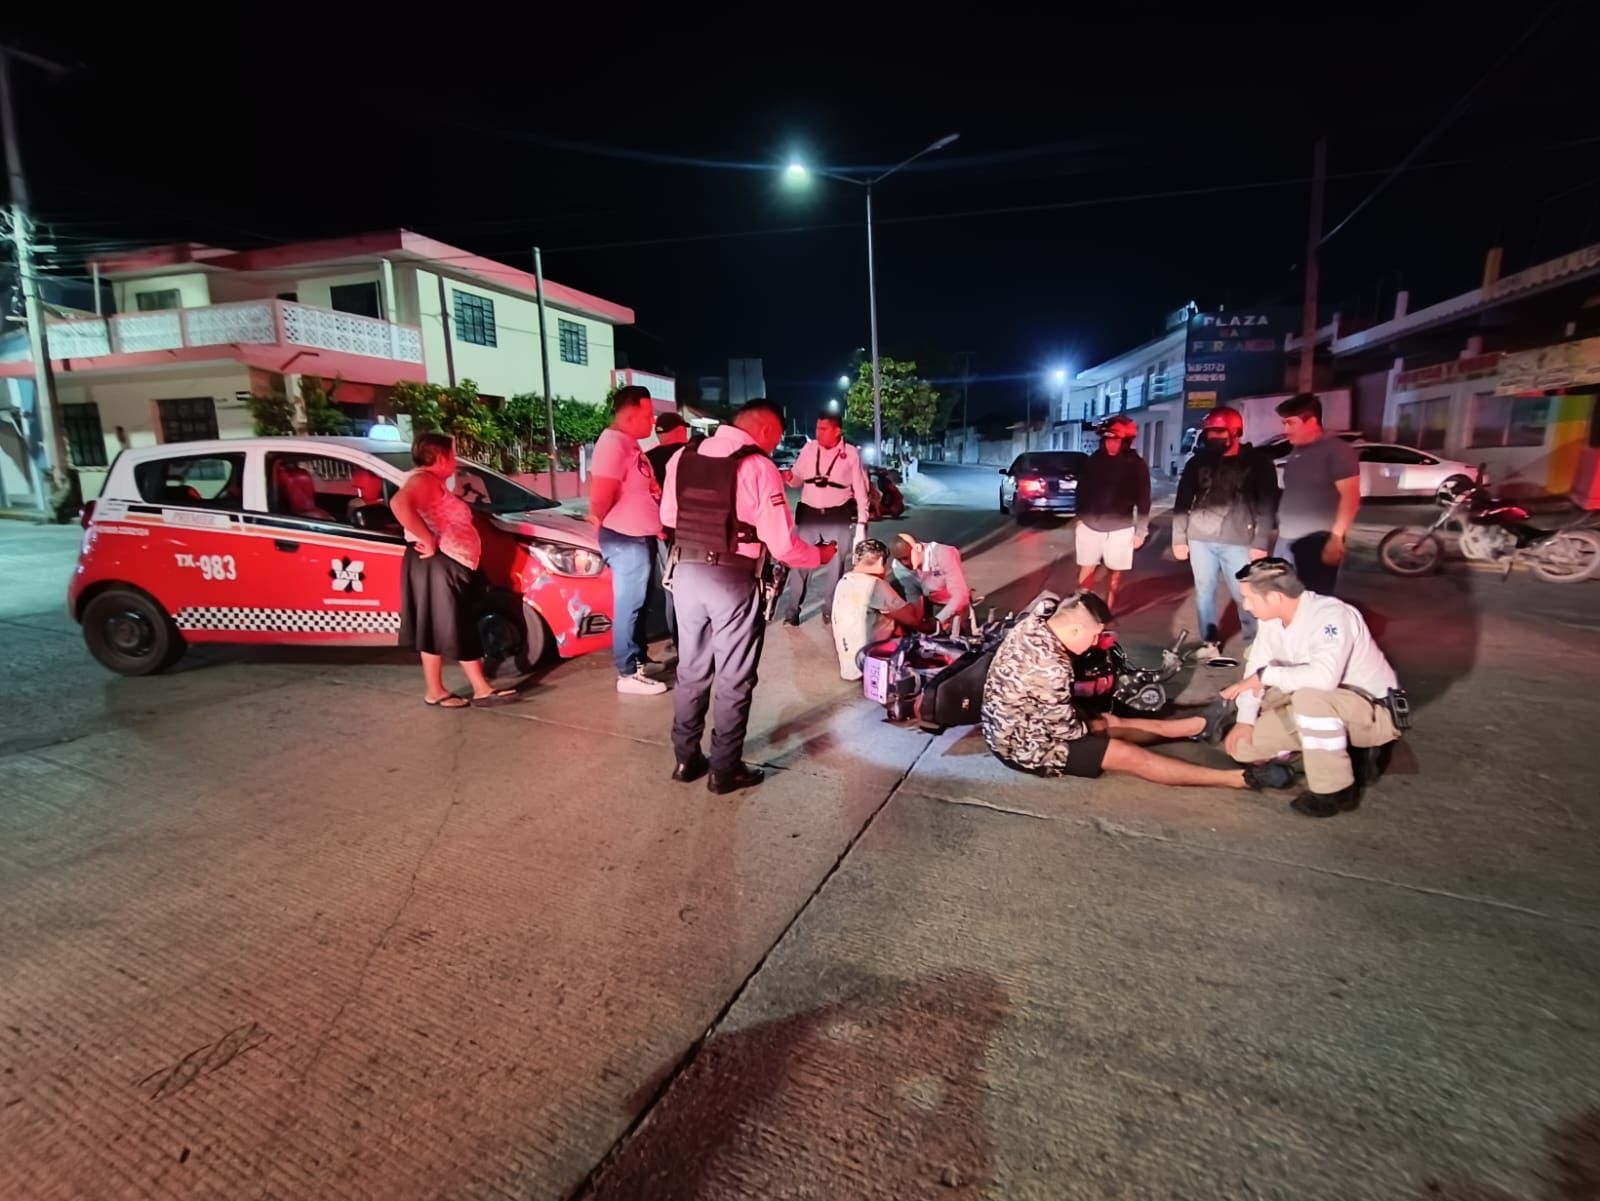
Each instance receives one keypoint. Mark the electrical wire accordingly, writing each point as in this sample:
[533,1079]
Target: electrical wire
[1444,122]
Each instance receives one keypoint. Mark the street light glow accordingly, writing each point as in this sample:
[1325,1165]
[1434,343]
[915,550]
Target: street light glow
[1061,375]
[833,406]
[844,381]
[796,171]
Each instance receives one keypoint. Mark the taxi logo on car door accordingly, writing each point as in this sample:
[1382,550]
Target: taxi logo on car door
[347,574]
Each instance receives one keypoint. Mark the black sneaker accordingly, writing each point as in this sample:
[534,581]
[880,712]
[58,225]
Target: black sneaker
[1260,776]
[1219,716]
[1326,804]
[791,620]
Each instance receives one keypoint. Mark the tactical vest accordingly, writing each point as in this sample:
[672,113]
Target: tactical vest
[708,528]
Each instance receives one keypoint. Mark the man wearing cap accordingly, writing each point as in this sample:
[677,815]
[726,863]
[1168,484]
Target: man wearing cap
[866,609]
[833,508]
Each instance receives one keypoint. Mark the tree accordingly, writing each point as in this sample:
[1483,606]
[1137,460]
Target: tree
[910,404]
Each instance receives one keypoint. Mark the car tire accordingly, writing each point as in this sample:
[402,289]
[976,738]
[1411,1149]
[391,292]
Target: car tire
[1003,508]
[130,634]
[514,636]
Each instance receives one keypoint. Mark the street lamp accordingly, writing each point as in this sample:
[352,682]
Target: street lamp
[844,381]
[797,171]
[833,406]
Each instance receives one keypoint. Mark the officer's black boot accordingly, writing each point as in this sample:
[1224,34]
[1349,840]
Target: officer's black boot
[1326,804]
[1369,763]
[691,770]
[744,776]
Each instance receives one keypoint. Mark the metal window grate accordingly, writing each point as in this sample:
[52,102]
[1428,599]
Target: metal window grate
[475,319]
[191,419]
[86,441]
[574,342]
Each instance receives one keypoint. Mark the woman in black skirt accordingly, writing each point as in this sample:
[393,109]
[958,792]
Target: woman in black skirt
[441,587]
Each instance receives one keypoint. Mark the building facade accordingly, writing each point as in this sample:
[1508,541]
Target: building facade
[198,331]
[1145,384]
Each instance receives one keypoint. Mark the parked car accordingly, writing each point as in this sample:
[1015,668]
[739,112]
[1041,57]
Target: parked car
[1041,481]
[291,541]
[1389,469]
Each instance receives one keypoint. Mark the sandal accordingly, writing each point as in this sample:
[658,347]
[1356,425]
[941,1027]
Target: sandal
[500,696]
[448,701]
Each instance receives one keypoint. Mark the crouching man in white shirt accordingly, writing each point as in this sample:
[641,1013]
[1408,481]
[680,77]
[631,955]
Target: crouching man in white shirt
[939,577]
[1315,682]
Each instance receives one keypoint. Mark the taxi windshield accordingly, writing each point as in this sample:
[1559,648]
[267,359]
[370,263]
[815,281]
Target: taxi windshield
[481,487]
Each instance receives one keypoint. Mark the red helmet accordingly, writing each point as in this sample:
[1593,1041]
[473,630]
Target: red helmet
[1119,427]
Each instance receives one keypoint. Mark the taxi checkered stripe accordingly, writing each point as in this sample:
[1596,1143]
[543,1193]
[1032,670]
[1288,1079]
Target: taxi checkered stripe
[290,621]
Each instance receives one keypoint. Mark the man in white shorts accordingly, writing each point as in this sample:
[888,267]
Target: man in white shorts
[1113,507]
[866,609]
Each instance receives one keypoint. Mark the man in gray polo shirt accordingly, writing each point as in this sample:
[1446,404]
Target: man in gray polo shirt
[1321,494]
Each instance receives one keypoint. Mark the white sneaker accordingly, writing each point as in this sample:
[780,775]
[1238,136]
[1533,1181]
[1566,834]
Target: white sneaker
[1206,652]
[639,684]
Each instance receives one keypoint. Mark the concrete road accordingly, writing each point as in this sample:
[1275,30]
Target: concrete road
[272,929]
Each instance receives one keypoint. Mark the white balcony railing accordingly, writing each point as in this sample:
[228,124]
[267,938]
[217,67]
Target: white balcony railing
[250,322]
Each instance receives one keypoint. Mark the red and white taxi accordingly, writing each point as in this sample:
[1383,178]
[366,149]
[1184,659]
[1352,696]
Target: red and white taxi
[291,540]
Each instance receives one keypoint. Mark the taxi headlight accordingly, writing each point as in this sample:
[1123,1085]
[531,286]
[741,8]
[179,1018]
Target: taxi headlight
[564,559]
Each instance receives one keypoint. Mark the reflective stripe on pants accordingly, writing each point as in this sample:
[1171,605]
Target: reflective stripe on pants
[1322,725]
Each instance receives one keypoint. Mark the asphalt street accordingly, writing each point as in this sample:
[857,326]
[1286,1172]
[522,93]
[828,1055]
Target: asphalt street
[273,929]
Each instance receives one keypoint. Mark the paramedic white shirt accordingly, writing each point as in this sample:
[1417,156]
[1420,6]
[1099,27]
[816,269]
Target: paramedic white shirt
[1326,645]
[942,580]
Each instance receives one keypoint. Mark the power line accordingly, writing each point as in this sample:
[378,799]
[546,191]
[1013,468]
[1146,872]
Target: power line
[1445,122]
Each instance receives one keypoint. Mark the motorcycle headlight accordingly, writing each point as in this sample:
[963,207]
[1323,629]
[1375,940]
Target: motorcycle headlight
[564,559]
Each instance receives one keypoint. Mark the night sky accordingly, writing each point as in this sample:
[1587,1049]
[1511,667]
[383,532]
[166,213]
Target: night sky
[1162,161]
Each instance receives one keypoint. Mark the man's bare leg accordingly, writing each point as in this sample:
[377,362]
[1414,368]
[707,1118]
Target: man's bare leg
[1111,590]
[1145,730]
[1122,756]
[1086,577]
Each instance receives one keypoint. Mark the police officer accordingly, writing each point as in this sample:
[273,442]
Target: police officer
[724,500]
[834,507]
[1315,682]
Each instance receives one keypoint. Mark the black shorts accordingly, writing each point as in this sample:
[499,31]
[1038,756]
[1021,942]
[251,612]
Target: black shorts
[1086,757]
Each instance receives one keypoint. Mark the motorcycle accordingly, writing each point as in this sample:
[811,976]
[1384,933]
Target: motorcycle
[937,680]
[885,499]
[1493,531]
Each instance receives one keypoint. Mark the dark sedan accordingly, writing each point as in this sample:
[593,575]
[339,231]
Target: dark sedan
[1042,481]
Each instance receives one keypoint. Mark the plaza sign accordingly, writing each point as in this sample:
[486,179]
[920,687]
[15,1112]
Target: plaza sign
[1228,356]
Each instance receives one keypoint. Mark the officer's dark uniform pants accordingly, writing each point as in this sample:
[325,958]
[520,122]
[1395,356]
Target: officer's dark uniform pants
[828,528]
[720,631]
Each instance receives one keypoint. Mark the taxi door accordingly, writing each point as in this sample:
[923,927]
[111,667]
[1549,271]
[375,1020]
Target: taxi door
[180,538]
[335,552]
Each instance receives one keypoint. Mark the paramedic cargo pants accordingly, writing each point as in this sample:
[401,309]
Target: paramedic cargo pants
[720,631]
[1322,726]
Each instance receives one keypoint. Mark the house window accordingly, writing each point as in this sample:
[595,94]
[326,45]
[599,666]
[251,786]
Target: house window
[151,302]
[87,443]
[1423,423]
[1508,420]
[361,300]
[192,419]
[475,319]
[291,297]
[574,342]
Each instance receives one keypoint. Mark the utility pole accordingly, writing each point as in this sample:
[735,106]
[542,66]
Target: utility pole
[1308,323]
[544,369]
[47,413]
[966,422]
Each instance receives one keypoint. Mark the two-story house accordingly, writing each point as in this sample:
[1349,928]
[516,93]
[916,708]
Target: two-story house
[198,331]
[1145,383]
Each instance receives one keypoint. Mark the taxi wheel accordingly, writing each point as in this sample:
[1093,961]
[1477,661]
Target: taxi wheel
[129,633]
[512,635]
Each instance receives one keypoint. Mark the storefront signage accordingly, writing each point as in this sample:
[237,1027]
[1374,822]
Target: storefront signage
[1442,373]
[1550,368]
[1578,262]
[1229,356]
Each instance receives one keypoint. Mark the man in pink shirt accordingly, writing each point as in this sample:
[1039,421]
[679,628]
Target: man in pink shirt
[724,501]
[625,502]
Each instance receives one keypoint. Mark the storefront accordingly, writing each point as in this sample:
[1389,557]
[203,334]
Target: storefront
[1528,416]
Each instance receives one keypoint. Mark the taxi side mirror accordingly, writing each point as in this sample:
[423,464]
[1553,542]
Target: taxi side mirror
[1005,471]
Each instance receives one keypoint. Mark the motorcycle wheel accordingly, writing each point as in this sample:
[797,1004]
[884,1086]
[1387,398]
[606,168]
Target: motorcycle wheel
[1410,551]
[1568,557]
[1477,544]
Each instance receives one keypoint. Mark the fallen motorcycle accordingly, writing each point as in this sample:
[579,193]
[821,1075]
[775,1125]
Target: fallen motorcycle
[1494,531]
[937,680]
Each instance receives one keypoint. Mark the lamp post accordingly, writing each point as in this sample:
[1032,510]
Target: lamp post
[798,172]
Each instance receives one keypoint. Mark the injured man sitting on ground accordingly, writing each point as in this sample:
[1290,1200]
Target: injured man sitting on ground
[1031,723]
[866,609]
